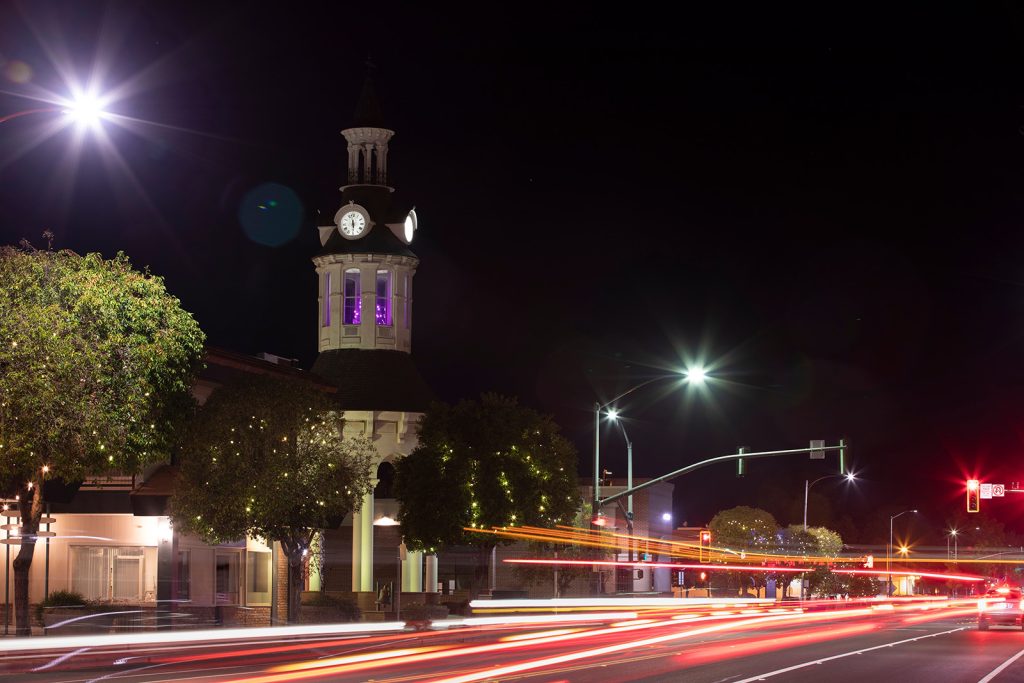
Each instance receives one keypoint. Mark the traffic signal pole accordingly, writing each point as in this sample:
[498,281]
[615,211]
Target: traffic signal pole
[600,502]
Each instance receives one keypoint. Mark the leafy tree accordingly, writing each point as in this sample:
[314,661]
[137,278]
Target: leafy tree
[482,464]
[744,529]
[793,540]
[862,586]
[823,582]
[828,543]
[264,457]
[96,363]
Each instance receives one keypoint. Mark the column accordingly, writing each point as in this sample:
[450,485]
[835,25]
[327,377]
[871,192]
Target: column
[357,550]
[431,578]
[368,293]
[315,578]
[165,578]
[366,544]
[353,163]
[412,572]
[368,163]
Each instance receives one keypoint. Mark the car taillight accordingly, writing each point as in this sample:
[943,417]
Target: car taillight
[981,605]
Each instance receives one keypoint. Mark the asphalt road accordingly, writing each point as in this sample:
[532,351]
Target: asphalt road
[905,644]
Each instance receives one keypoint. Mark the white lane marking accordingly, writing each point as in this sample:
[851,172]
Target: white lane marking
[761,677]
[995,672]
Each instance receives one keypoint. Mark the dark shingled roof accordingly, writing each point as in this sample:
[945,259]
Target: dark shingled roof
[368,112]
[374,379]
[380,240]
[383,207]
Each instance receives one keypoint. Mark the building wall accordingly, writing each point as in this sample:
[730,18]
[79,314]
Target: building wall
[87,530]
[121,531]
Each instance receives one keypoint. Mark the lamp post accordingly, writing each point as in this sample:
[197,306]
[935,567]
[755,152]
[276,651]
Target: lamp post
[888,554]
[613,415]
[849,476]
[396,594]
[952,533]
[694,375]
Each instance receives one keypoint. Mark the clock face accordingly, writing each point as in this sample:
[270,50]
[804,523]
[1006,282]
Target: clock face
[410,225]
[353,224]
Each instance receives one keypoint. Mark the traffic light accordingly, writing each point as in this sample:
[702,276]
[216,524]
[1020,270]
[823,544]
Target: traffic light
[973,495]
[705,545]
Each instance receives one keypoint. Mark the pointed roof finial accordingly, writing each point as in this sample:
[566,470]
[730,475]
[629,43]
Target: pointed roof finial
[368,112]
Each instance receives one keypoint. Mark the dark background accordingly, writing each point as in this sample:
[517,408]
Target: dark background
[822,204]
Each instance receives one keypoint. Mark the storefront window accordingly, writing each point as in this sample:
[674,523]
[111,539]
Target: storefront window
[257,578]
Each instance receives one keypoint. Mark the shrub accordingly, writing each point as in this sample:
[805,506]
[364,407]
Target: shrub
[459,607]
[346,607]
[424,613]
[63,599]
[59,599]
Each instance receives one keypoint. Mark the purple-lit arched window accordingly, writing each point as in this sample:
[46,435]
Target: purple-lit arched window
[327,300]
[353,303]
[383,297]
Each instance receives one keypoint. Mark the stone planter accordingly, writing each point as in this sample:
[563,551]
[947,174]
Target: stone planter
[309,614]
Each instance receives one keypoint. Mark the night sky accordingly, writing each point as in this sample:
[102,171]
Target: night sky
[824,207]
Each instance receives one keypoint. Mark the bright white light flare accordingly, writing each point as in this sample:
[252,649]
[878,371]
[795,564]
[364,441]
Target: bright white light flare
[86,109]
[696,375]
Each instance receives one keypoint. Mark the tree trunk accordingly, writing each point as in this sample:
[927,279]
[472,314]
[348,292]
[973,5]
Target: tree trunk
[296,584]
[30,516]
[294,549]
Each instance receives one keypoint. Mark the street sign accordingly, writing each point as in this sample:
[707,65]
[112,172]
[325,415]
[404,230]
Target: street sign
[817,455]
[998,491]
[986,491]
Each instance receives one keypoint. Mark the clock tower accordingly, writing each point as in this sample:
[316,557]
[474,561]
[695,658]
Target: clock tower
[365,268]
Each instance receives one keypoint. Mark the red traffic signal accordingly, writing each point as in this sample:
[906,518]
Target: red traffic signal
[973,495]
[705,546]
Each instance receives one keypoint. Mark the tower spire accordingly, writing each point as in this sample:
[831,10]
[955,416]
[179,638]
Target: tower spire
[368,138]
[368,112]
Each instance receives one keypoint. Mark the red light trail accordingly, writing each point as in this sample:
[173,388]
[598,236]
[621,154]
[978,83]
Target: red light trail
[749,568]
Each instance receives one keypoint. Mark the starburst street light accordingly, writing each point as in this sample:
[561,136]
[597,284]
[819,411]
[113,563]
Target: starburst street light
[695,375]
[849,477]
[86,109]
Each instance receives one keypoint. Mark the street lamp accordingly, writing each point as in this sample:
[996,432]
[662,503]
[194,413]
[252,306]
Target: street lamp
[695,375]
[888,554]
[613,415]
[849,476]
